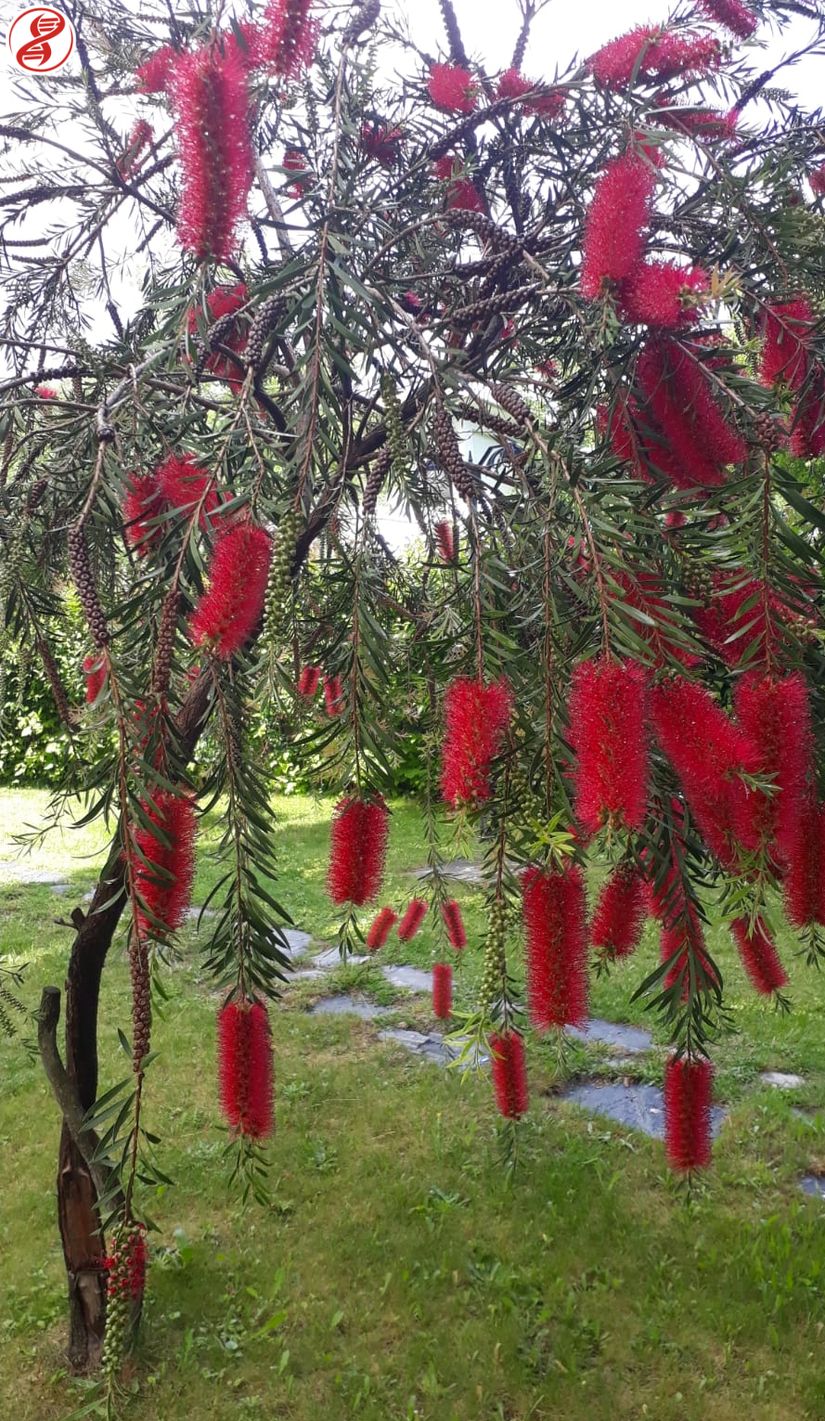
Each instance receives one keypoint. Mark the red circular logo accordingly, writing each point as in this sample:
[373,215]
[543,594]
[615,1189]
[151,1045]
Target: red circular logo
[40,40]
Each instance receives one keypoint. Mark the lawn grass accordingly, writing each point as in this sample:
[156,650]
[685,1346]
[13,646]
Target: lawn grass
[402,1271]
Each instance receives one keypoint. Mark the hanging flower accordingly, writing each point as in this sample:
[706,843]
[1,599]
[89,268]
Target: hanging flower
[620,913]
[454,924]
[617,219]
[294,161]
[547,103]
[760,958]
[553,904]
[682,946]
[735,16]
[382,142]
[817,180]
[182,482]
[452,88]
[380,928]
[803,883]
[225,301]
[142,503]
[688,1093]
[211,98]
[676,393]
[334,695]
[476,718]
[414,915]
[663,294]
[231,606]
[509,1070]
[309,680]
[141,136]
[461,192]
[153,75]
[94,670]
[445,540]
[775,712]
[358,849]
[163,866]
[245,1070]
[706,125]
[786,334]
[442,990]
[287,37]
[608,732]
[651,52]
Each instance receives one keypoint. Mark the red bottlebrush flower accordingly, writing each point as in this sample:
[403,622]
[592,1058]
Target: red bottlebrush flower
[817,180]
[709,753]
[452,88]
[380,928]
[513,85]
[212,102]
[245,1072]
[804,879]
[461,192]
[182,482]
[309,681]
[231,605]
[382,143]
[620,913]
[786,332]
[664,294]
[646,591]
[358,848]
[414,915]
[509,1070]
[706,125]
[688,1093]
[225,301]
[760,958]
[682,945]
[45,392]
[454,923]
[775,712]
[651,52]
[140,138]
[333,695]
[442,990]
[608,732]
[153,75]
[142,502]
[445,540]
[741,614]
[94,670]
[127,1264]
[614,230]
[553,904]
[677,395]
[476,718]
[735,16]
[163,868]
[547,103]
[287,37]
[808,433]
[548,369]
[294,161]
[412,302]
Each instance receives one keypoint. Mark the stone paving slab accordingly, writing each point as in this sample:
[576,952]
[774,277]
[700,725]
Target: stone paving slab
[415,979]
[814,1185]
[430,1047]
[641,1107]
[345,1005]
[331,957]
[631,1039]
[464,870]
[22,872]
[781,1080]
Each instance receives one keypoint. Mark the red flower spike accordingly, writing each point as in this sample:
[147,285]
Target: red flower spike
[358,849]
[245,1069]
[414,915]
[153,75]
[608,732]
[740,615]
[442,990]
[45,392]
[162,872]
[380,928]
[211,97]
[775,712]
[509,1070]
[705,125]
[452,88]
[445,540]
[461,192]
[760,958]
[663,294]
[808,433]
[651,52]
[225,301]
[620,913]
[454,924]
[688,1093]
[616,222]
[141,136]
[382,143]
[334,695]
[94,670]
[309,680]
[735,16]
[231,605]
[817,180]
[786,333]
[142,502]
[294,161]
[688,422]
[287,37]
[476,719]
[804,879]
[554,909]
[546,103]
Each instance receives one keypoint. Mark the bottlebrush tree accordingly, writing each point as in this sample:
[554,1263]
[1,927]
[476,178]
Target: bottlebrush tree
[613,271]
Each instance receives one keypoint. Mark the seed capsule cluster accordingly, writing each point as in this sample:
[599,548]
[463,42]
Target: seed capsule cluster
[266,317]
[141,1001]
[485,228]
[125,1284]
[511,401]
[489,305]
[81,570]
[279,585]
[482,414]
[164,646]
[363,19]
[375,481]
[396,434]
[495,959]
[449,457]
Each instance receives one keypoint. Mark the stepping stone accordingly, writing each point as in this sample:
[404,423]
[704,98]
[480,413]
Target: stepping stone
[193,913]
[62,889]
[346,1006]
[813,1184]
[614,1033]
[309,974]
[331,957]
[11,873]
[462,869]
[781,1080]
[430,1047]
[415,979]
[641,1107]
